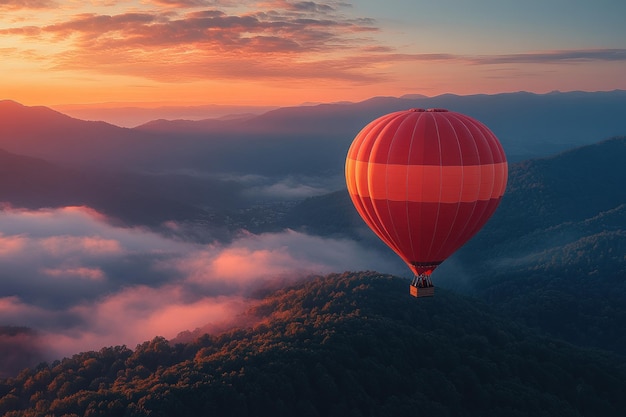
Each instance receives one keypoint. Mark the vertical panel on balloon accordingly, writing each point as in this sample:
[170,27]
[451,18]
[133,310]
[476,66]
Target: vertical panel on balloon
[448,142]
[490,208]
[462,222]
[480,139]
[428,142]
[466,141]
[418,151]
[446,215]
[423,219]
[381,150]
[481,212]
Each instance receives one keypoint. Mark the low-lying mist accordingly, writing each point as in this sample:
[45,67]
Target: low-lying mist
[79,282]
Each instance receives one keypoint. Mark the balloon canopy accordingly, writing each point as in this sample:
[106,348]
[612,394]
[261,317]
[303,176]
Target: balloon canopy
[425,181]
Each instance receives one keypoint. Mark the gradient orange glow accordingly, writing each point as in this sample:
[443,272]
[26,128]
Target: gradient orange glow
[279,52]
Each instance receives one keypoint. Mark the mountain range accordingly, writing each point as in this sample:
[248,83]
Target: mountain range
[306,139]
[30,182]
[528,315]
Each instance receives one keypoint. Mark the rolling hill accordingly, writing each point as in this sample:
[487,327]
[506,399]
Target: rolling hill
[352,344]
[554,254]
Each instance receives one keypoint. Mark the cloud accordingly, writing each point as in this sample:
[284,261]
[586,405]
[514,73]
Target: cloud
[290,187]
[82,283]
[559,56]
[194,3]
[379,54]
[289,190]
[281,39]
[27,4]
[269,41]
[138,314]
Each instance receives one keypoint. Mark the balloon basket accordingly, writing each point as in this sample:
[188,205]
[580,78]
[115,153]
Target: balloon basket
[418,292]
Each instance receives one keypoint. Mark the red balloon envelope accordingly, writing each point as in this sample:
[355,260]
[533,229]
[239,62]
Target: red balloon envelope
[425,181]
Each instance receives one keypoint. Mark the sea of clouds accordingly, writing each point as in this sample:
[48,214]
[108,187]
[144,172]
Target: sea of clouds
[73,280]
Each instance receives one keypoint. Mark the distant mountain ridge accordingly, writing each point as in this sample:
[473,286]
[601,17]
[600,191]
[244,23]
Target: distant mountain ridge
[307,139]
[521,120]
[45,133]
[27,182]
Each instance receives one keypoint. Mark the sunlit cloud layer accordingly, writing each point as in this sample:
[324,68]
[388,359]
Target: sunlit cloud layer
[82,283]
[302,40]
[27,4]
[277,51]
[281,39]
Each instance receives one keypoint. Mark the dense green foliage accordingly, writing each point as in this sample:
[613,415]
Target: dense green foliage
[354,344]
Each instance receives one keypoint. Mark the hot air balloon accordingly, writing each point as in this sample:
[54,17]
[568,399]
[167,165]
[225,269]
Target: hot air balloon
[425,181]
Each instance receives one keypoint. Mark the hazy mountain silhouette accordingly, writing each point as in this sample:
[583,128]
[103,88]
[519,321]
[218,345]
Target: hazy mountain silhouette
[44,133]
[528,125]
[311,140]
[351,344]
[125,115]
[134,199]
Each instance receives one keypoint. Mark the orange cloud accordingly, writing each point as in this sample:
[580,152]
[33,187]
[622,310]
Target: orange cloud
[139,313]
[27,4]
[297,40]
[11,245]
[12,305]
[193,3]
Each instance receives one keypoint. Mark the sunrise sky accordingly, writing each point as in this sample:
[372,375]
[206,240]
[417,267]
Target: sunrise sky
[278,52]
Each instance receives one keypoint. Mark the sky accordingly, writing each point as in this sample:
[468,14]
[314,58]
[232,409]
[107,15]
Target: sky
[278,53]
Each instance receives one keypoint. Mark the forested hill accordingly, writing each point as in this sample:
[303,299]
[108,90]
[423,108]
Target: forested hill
[554,253]
[354,344]
[568,187]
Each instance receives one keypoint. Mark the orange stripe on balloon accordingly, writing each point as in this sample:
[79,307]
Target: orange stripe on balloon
[427,183]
